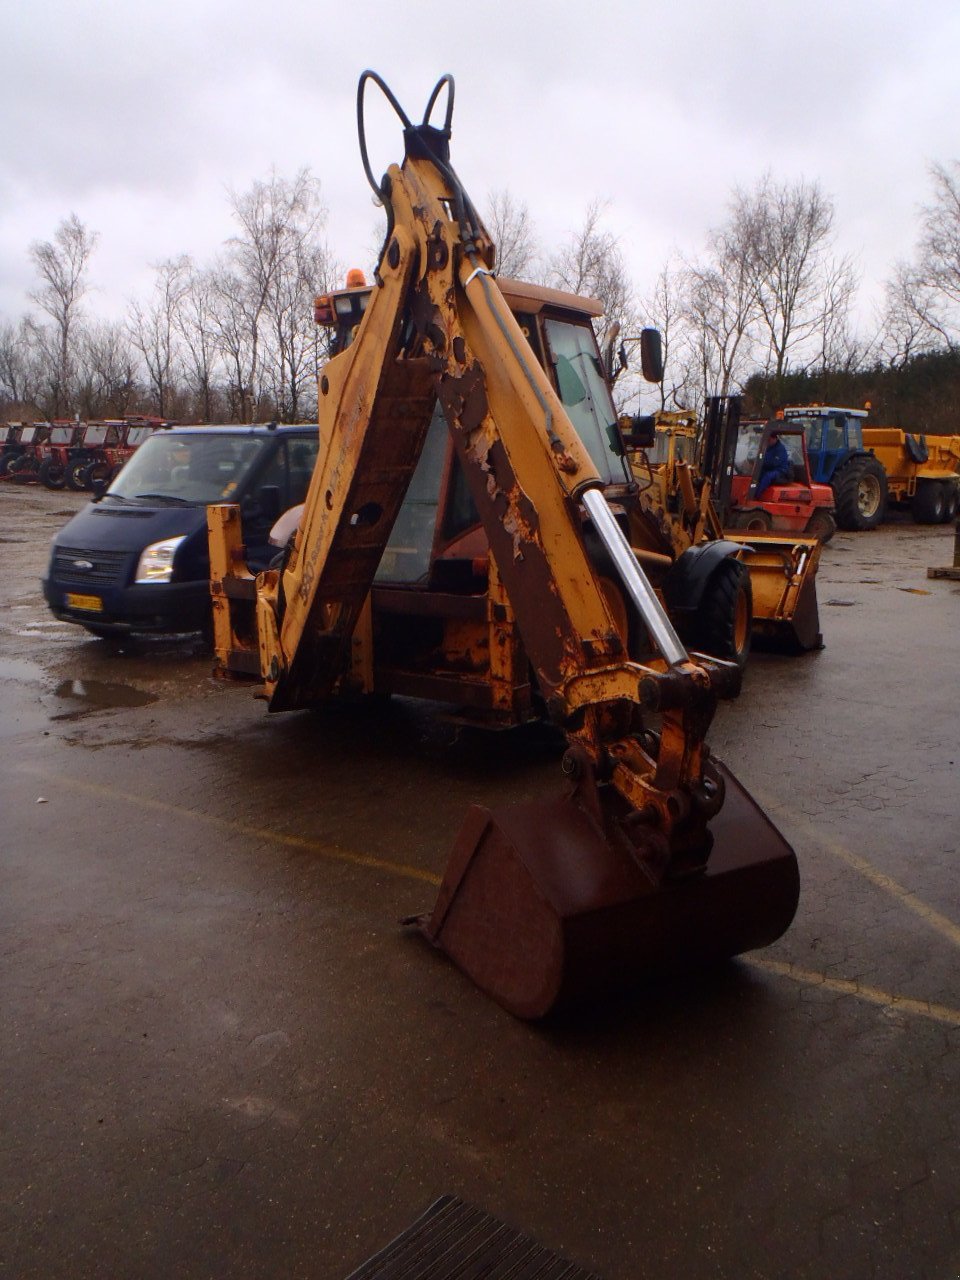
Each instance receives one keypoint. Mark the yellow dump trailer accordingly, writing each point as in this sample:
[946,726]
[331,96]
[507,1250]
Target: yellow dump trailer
[923,471]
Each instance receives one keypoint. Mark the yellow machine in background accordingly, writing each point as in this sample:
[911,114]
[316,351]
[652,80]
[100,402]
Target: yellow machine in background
[922,470]
[655,857]
[680,501]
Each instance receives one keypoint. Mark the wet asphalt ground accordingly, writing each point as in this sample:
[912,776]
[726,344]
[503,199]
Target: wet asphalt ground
[221,1056]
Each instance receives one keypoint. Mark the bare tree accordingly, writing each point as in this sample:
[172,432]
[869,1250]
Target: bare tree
[20,375]
[280,222]
[940,240]
[923,300]
[784,232]
[61,265]
[722,310]
[591,263]
[665,310]
[511,227]
[108,384]
[232,325]
[153,329]
[196,324]
[909,321]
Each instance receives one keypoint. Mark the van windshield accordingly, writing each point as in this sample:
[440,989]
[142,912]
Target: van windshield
[194,469]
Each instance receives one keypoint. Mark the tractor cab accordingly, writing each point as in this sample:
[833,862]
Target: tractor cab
[831,436]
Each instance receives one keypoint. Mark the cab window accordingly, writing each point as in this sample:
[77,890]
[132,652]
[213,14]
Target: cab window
[583,391]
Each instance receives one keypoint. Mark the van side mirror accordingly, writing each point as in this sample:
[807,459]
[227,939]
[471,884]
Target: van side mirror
[651,355]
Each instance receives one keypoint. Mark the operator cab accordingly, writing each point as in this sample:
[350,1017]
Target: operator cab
[797,505]
[438,540]
[830,434]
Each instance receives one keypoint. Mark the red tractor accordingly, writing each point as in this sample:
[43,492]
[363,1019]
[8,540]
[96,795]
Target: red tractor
[54,454]
[793,503]
[24,465]
[10,446]
[98,474]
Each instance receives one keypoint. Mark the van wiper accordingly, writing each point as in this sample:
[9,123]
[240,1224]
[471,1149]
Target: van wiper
[166,497]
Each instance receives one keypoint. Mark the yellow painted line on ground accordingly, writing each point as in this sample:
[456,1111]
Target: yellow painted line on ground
[935,919]
[844,987]
[319,847]
[806,977]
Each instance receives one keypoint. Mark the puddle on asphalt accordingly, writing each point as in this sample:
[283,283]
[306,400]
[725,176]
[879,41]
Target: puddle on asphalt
[99,695]
[19,669]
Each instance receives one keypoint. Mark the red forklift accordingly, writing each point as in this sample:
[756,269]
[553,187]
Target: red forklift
[794,503]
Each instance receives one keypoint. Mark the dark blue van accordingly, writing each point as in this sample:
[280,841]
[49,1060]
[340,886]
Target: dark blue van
[135,560]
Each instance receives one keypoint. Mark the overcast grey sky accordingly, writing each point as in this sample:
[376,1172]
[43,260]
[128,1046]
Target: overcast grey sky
[138,115]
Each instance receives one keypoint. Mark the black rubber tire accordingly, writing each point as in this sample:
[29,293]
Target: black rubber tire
[97,476]
[860,494]
[75,474]
[6,463]
[23,467]
[930,502]
[725,616]
[754,521]
[53,473]
[821,525]
[639,645]
[953,502]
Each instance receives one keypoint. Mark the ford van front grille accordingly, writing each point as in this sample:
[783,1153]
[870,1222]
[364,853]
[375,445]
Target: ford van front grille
[77,564]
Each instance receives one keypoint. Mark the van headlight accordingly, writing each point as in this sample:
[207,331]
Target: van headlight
[156,561]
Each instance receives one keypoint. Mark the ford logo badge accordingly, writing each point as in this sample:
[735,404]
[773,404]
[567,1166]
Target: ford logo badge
[85,565]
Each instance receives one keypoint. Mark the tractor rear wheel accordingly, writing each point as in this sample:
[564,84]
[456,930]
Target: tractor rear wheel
[97,476]
[725,616]
[953,503]
[75,474]
[930,502]
[860,492]
[821,525]
[53,473]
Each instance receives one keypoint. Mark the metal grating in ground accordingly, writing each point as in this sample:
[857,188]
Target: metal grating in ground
[455,1241]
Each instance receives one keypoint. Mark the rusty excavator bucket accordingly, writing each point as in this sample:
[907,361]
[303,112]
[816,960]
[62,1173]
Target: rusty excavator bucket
[655,858]
[548,905]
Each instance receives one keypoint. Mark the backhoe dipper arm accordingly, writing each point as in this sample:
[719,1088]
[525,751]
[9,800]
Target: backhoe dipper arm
[438,326]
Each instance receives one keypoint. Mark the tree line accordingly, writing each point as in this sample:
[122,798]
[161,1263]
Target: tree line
[765,308]
[230,341]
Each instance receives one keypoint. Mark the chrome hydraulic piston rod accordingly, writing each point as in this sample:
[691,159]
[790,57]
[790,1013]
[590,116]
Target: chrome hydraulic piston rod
[635,581]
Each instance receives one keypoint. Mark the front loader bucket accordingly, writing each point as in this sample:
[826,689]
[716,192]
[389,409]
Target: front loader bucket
[542,910]
[783,579]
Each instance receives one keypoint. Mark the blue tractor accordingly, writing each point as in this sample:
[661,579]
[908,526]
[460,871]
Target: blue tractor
[839,458]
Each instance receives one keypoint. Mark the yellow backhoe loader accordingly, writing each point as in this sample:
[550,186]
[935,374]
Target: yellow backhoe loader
[655,857]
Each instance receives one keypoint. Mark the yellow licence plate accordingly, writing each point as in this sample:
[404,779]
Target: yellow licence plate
[92,604]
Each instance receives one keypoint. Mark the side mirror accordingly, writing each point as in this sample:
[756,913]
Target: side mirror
[651,355]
